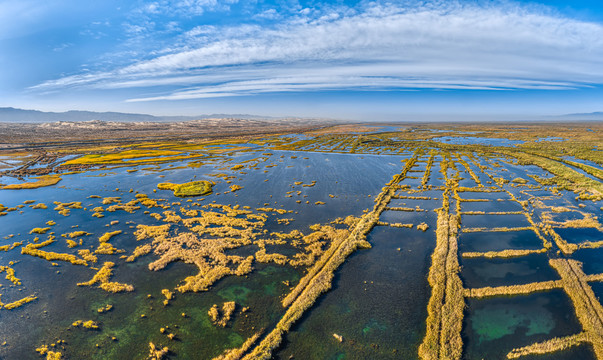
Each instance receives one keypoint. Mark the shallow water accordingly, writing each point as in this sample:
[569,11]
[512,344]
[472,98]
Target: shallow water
[477,195]
[492,325]
[499,240]
[467,140]
[491,206]
[492,221]
[576,236]
[379,307]
[481,272]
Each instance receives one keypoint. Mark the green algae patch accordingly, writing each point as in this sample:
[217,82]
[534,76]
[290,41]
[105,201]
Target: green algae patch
[194,188]
[373,325]
[496,322]
[238,293]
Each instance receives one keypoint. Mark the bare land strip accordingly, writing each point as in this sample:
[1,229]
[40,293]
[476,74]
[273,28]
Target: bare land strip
[45,136]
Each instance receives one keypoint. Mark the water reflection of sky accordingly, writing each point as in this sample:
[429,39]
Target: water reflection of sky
[471,140]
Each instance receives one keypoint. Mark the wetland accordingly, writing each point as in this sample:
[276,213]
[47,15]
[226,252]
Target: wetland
[315,241]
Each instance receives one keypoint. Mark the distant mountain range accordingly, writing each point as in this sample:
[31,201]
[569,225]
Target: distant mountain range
[14,115]
[583,116]
[9,114]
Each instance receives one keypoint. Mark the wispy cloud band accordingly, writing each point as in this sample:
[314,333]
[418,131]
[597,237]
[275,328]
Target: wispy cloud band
[374,47]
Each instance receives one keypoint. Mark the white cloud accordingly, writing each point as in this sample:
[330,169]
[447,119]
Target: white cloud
[270,14]
[62,47]
[435,46]
[186,7]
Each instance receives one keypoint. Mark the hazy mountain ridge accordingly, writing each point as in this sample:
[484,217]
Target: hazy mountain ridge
[597,115]
[14,115]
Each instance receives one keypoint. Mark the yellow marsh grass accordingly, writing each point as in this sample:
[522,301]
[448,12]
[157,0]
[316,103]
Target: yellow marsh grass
[92,159]
[496,229]
[236,354]
[18,303]
[102,277]
[512,289]
[33,250]
[427,173]
[445,308]
[41,181]
[194,188]
[509,253]
[470,171]
[549,346]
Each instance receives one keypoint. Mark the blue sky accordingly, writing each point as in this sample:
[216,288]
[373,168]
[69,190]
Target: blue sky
[367,60]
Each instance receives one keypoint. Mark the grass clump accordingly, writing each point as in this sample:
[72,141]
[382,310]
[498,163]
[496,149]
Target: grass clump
[33,250]
[50,355]
[194,188]
[235,187]
[107,236]
[139,251]
[228,309]
[75,234]
[157,353]
[18,303]
[10,275]
[39,230]
[86,324]
[103,276]
[422,227]
[10,247]
[104,247]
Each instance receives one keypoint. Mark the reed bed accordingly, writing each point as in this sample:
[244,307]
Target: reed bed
[427,172]
[41,181]
[18,303]
[508,253]
[549,346]
[34,250]
[513,289]
[496,229]
[470,171]
[446,304]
